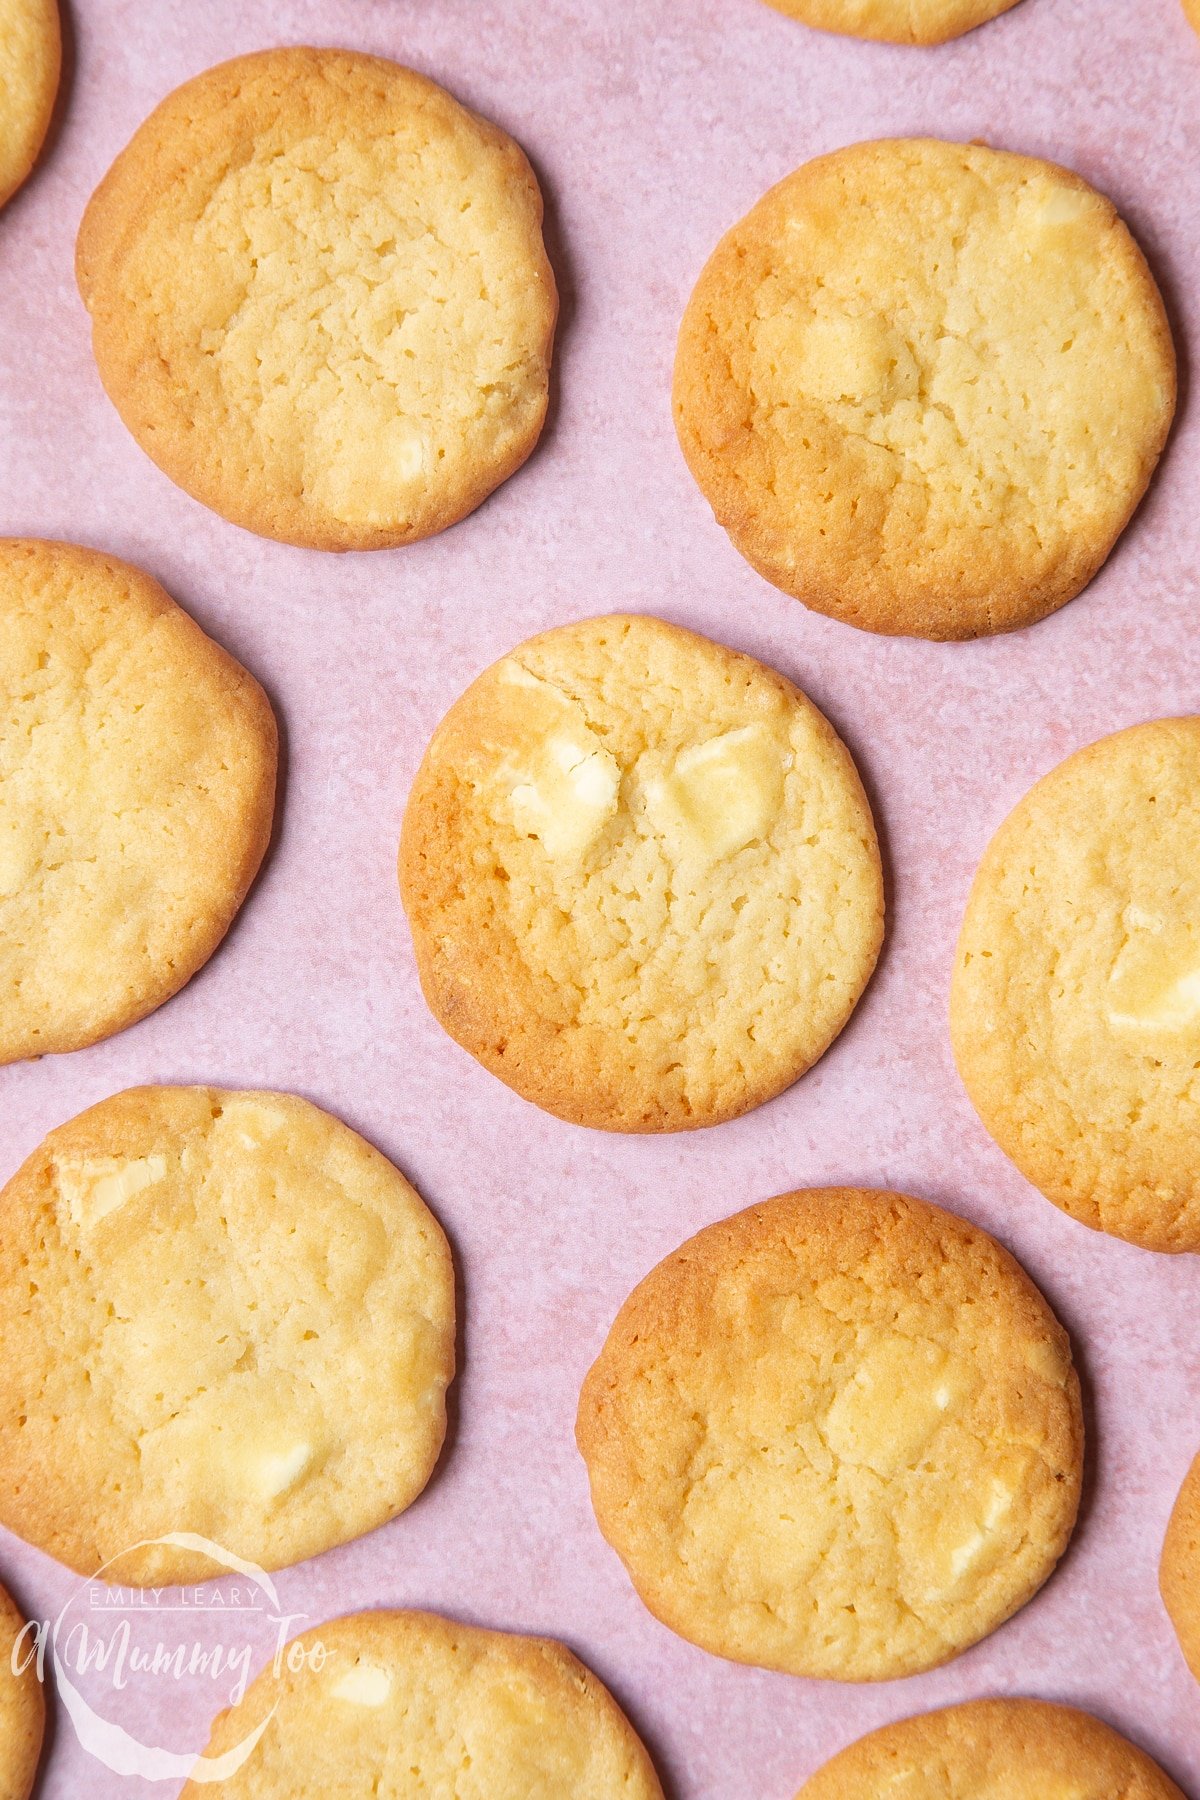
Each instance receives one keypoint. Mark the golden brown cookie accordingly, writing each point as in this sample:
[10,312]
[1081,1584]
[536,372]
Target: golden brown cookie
[895,21]
[30,65]
[641,876]
[137,787]
[388,1705]
[1192,11]
[1075,1003]
[222,1314]
[993,1750]
[22,1707]
[838,1434]
[1179,1571]
[320,299]
[923,386]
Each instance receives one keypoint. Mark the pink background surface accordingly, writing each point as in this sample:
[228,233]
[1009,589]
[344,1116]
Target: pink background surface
[653,126]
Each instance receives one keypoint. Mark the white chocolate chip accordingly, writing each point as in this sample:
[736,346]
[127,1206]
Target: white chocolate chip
[964,1554]
[566,799]
[96,1188]
[253,1121]
[719,795]
[366,1684]
[896,1399]
[1155,981]
[275,1471]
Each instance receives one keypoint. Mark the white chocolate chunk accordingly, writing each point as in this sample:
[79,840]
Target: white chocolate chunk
[898,1396]
[254,1123]
[719,795]
[568,796]
[841,359]
[366,1684]
[94,1189]
[1155,981]
[273,1472]
[1060,205]
[965,1554]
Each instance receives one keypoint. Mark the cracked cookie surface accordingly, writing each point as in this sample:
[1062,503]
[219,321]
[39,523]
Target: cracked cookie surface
[895,21]
[137,790]
[641,876]
[409,1702]
[923,386]
[1075,1001]
[320,298]
[30,64]
[22,1707]
[223,1313]
[993,1750]
[1179,1570]
[838,1434]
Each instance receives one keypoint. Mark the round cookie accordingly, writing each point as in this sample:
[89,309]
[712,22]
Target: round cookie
[1179,1571]
[992,1750]
[30,65]
[409,1702]
[223,1314]
[923,386]
[641,876]
[320,298]
[838,1434]
[22,1708]
[137,787]
[1192,12]
[1075,1002]
[895,21]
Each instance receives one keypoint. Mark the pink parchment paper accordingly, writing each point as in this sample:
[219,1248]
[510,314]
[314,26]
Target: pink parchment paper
[653,127]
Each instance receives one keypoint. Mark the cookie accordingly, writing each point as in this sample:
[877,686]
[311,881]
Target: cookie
[1179,1571]
[923,386]
[1075,1002]
[895,21]
[391,1704]
[838,1434]
[1018,1749]
[137,786]
[641,876]
[22,1707]
[222,1314]
[1192,12]
[320,298]
[30,65]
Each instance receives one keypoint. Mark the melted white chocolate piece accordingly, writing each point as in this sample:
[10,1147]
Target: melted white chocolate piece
[366,1684]
[273,1472]
[720,795]
[96,1188]
[898,1396]
[569,793]
[1155,981]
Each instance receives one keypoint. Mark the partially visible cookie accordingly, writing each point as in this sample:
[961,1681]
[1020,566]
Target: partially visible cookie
[838,1434]
[923,386]
[993,1750]
[1179,1571]
[137,789]
[641,875]
[388,1705]
[223,1314]
[30,64]
[896,21]
[22,1707]
[1075,1002]
[320,298]
[1192,10]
